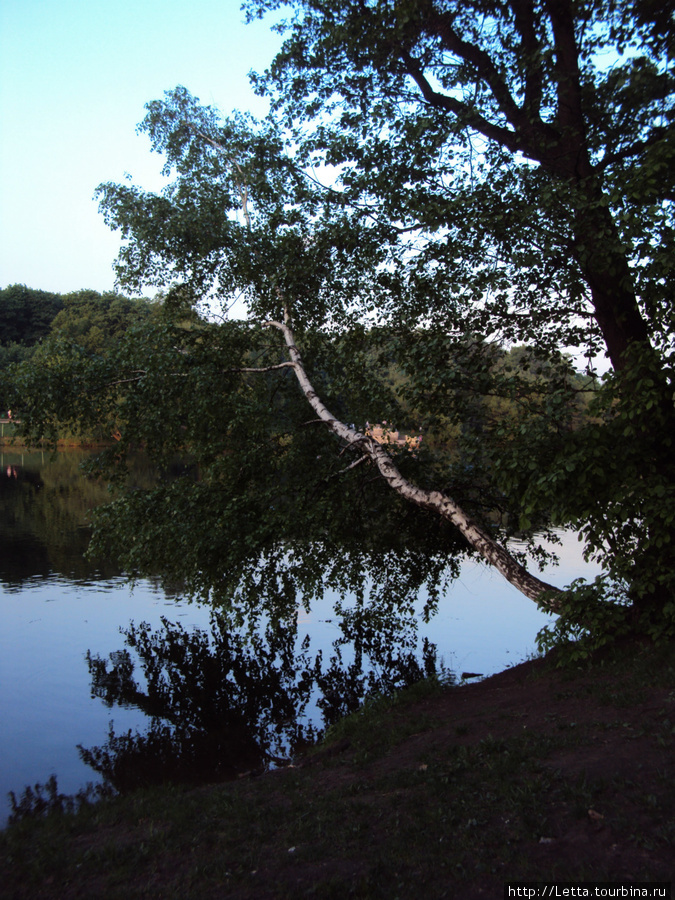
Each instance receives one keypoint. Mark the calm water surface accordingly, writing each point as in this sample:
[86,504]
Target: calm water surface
[55,606]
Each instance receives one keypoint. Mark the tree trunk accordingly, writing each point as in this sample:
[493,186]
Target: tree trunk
[607,273]
[542,593]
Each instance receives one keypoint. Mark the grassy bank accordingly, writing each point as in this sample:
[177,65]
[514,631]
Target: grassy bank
[538,773]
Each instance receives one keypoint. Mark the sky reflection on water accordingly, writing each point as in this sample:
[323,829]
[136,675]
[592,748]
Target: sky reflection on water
[51,618]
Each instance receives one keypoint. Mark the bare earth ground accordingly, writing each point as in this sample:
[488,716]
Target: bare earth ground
[537,773]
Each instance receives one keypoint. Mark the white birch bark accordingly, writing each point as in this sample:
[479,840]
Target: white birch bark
[438,502]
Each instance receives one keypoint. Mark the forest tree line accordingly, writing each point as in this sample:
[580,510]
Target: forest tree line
[46,325]
[30,317]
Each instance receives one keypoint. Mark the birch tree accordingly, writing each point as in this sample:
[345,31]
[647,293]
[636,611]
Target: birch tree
[436,182]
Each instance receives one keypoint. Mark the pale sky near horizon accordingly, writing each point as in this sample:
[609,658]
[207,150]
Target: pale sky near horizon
[74,78]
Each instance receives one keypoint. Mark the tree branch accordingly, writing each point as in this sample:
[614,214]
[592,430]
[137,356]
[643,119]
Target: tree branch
[283,365]
[137,377]
[242,186]
[569,114]
[441,23]
[435,501]
[523,11]
[462,110]
[658,134]
[357,462]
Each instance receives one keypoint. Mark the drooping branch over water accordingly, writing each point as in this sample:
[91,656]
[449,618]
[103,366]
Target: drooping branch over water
[436,501]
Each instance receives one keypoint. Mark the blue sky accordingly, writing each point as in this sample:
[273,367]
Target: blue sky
[74,78]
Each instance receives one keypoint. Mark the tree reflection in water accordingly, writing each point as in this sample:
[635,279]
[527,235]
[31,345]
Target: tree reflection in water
[247,693]
[231,701]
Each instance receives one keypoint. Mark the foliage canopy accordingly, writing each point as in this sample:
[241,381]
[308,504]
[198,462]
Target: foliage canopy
[436,181]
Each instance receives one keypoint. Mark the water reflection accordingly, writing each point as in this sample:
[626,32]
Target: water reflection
[214,703]
[220,699]
[226,701]
[46,505]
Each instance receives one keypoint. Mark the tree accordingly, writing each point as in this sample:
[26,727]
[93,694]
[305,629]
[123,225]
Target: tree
[510,122]
[492,177]
[26,314]
[94,320]
[529,146]
[83,332]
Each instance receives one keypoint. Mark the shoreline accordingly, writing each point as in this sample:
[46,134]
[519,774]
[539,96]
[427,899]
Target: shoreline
[537,773]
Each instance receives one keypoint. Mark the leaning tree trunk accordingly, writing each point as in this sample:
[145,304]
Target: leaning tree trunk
[542,593]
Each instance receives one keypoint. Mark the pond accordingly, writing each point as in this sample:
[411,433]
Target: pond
[56,606]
